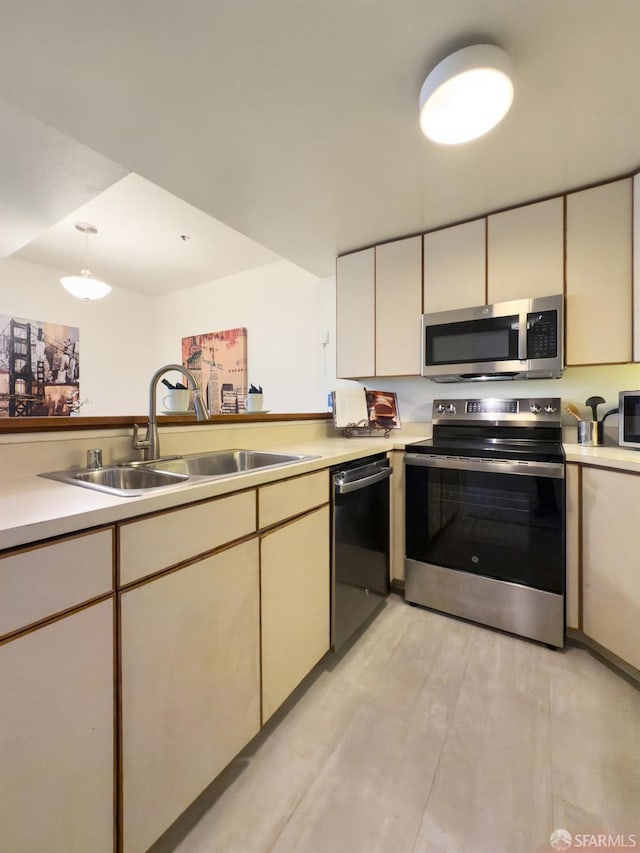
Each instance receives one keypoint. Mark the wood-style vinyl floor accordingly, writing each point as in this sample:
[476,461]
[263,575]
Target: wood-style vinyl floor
[432,735]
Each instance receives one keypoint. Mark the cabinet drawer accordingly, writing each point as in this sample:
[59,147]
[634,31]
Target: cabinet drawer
[40,581]
[152,544]
[292,497]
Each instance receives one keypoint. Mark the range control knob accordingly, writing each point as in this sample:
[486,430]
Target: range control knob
[549,409]
[451,409]
[534,408]
[440,408]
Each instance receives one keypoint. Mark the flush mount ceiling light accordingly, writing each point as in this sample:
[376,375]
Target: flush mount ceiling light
[466,95]
[85,286]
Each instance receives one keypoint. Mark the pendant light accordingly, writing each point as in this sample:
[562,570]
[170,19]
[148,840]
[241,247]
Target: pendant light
[85,286]
[466,95]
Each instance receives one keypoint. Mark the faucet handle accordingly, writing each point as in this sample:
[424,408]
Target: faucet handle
[140,443]
[94,458]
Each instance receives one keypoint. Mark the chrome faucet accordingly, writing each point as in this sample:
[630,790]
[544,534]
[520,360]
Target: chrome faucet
[151,442]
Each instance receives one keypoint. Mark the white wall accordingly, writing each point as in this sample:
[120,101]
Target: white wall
[116,334]
[281,306]
[416,395]
[127,336]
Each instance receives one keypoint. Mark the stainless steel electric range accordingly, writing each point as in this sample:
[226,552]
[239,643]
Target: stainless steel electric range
[485,515]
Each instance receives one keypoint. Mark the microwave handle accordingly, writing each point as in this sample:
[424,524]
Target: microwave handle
[522,337]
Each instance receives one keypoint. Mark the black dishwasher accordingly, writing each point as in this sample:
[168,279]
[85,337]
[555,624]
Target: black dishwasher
[360,546]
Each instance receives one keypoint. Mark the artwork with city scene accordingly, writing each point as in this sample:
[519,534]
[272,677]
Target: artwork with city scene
[219,363]
[39,368]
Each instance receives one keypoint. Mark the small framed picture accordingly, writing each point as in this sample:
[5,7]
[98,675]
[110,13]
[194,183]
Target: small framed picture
[382,409]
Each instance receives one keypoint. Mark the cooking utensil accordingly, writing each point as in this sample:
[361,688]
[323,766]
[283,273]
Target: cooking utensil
[593,403]
[573,410]
[168,384]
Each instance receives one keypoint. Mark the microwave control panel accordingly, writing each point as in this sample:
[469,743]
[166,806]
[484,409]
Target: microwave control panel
[542,334]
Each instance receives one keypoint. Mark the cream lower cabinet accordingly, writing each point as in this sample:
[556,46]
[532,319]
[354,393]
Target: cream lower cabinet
[572,538]
[56,736]
[190,685]
[611,561]
[295,586]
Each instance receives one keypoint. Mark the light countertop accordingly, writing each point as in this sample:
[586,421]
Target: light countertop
[33,508]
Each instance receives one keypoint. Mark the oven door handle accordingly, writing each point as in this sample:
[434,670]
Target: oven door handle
[552,470]
[363,483]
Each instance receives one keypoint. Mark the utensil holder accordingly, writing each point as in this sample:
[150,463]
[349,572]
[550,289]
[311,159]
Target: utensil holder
[590,433]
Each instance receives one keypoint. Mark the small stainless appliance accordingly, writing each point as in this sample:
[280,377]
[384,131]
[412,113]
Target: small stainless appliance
[509,340]
[485,515]
[629,419]
[360,547]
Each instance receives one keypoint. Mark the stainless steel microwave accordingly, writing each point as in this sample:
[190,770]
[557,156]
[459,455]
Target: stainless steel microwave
[629,419]
[523,339]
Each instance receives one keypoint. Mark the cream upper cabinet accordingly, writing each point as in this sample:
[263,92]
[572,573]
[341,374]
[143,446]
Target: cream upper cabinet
[454,267]
[295,588]
[190,685]
[599,285]
[57,749]
[636,267]
[355,315]
[525,251]
[398,307]
[610,561]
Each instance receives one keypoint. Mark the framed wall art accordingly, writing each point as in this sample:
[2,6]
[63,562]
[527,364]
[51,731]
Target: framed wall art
[39,368]
[219,363]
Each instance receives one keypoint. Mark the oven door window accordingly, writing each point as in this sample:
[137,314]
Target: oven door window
[473,341]
[502,526]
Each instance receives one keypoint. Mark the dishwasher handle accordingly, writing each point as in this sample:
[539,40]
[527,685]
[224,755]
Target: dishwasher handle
[343,488]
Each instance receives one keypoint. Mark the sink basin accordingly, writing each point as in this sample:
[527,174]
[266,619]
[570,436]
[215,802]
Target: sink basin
[223,463]
[119,480]
[138,478]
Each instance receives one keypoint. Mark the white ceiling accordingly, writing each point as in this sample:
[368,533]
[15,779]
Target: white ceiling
[139,244]
[295,121]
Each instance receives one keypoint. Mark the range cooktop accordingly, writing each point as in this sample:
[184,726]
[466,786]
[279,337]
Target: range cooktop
[524,429]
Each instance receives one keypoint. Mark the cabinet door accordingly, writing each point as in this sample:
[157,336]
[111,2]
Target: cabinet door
[454,267]
[355,310]
[39,581]
[573,546]
[610,563]
[525,251]
[295,585]
[287,498]
[636,267]
[149,545]
[398,307]
[599,300]
[190,685]
[56,736]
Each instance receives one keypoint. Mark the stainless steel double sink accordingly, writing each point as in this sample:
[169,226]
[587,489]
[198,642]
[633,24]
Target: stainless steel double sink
[132,479]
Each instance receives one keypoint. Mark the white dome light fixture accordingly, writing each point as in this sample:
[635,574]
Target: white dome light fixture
[466,95]
[85,286]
